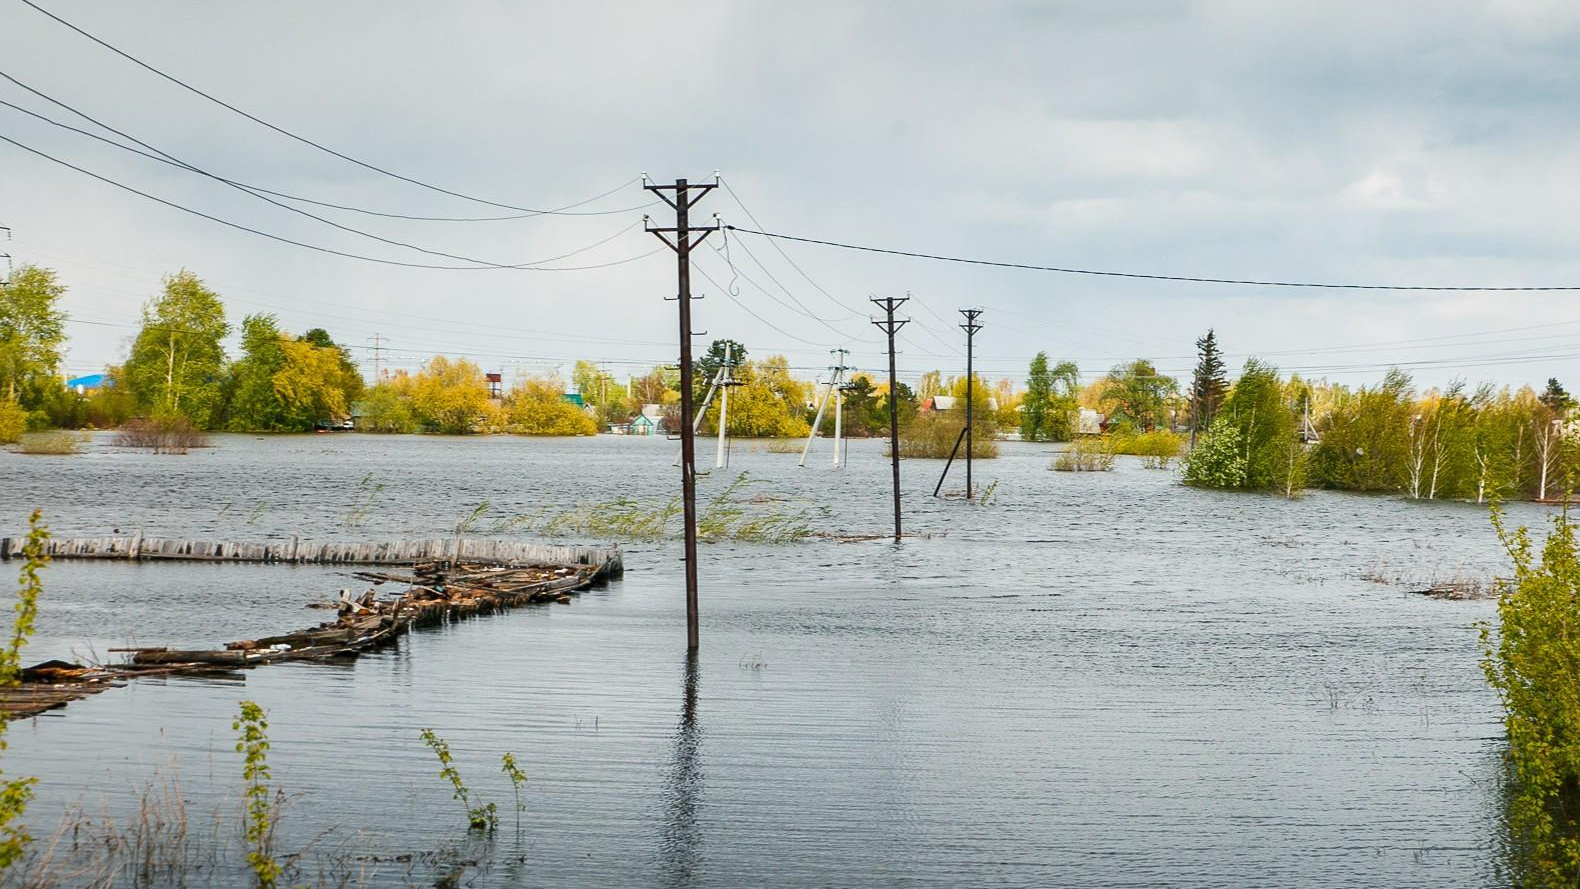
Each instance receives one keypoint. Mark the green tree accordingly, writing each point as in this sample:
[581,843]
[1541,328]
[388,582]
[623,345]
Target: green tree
[1038,401]
[253,405]
[32,330]
[1264,431]
[177,362]
[1556,397]
[1209,384]
[387,407]
[1365,443]
[1136,395]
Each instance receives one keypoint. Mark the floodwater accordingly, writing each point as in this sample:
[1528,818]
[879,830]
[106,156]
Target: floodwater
[1100,679]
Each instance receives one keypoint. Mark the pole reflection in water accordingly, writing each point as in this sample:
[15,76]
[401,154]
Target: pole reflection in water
[681,843]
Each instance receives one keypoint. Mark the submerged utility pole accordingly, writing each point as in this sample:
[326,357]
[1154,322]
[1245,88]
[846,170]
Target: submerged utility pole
[970,327]
[685,196]
[891,327]
[836,371]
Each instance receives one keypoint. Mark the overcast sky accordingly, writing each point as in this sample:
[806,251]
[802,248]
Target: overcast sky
[1415,143]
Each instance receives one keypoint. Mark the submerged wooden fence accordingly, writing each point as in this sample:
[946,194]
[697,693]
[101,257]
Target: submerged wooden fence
[296,551]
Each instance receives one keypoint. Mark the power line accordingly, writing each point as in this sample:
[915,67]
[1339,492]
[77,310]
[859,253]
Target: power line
[281,130]
[314,247]
[1138,275]
[165,157]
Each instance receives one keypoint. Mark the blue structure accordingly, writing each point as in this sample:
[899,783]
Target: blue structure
[82,385]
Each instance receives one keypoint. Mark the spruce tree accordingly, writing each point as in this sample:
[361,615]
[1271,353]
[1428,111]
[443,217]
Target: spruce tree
[1210,385]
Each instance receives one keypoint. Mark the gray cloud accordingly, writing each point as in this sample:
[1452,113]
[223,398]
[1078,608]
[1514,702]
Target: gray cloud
[1408,142]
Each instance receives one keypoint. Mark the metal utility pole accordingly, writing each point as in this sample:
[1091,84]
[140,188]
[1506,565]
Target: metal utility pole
[378,355]
[970,327]
[685,196]
[891,327]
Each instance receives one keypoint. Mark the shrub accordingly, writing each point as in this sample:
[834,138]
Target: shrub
[162,435]
[1218,460]
[60,442]
[1531,665]
[1091,454]
[934,434]
[1157,443]
[13,422]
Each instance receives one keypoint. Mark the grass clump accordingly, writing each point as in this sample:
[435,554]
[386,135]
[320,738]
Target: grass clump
[1090,454]
[933,435]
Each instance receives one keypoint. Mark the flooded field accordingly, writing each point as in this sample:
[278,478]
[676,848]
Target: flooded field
[1099,679]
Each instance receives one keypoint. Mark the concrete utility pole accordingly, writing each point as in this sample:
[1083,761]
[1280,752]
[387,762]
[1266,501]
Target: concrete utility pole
[835,371]
[685,196]
[725,379]
[970,327]
[891,327]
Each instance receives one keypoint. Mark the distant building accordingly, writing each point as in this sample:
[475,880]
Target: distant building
[84,385]
[649,422]
[1089,422]
[496,386]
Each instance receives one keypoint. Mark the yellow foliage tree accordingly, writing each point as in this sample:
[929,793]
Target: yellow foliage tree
[311,384]
[538,407]
[451,397]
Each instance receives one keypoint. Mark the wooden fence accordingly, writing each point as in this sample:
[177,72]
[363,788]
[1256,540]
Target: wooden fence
[297,551]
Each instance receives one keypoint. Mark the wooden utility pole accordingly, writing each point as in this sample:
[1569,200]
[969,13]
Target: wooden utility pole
[891,327]
[970,327]
[685,195]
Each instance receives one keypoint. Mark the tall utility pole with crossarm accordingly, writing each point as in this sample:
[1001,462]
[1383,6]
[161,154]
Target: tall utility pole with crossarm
[681,197]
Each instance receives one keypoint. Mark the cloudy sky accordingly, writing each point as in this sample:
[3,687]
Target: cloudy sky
[1411,143]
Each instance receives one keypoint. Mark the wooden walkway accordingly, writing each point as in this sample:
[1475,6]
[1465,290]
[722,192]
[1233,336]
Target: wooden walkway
[296,551]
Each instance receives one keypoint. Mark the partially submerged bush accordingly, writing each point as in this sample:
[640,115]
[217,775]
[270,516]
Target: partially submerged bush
[1531,663]
[162,435]
[1090,454]
[58,442]
[1157,443]
[935,433]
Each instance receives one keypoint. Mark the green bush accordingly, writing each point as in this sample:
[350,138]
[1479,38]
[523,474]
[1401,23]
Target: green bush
[933,434]
[1091,454]
[1218,460]
[1531,662]
[13,422]
[1157,443]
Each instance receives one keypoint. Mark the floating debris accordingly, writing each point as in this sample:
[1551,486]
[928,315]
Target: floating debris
[436,592]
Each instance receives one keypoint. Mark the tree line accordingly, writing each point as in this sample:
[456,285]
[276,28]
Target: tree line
[1265,431]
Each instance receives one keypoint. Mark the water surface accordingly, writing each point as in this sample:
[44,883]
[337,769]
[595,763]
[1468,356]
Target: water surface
[1096,680]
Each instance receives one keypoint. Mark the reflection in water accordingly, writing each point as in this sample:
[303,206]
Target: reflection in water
[681,843]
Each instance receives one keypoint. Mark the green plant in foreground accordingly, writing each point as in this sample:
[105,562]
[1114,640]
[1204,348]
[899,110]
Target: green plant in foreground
[1531,662]
[252,742]
[17,792]
[517,779]
[484,816]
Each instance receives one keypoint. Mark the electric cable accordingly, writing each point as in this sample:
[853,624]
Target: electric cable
[314,247]
[281,130]
[1144,276]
